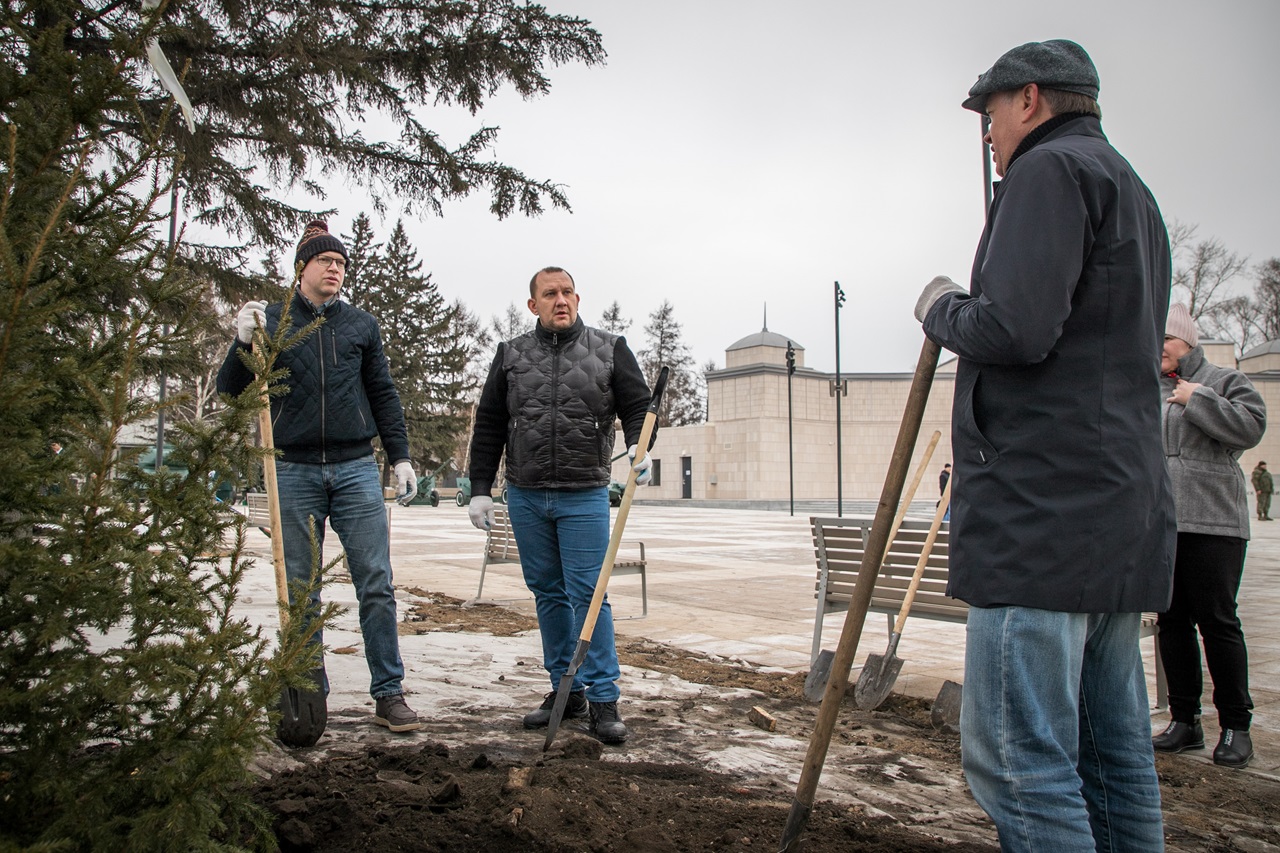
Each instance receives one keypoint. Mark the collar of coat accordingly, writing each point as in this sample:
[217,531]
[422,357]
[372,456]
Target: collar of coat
[1191,362]
[1042,130]
[553,338]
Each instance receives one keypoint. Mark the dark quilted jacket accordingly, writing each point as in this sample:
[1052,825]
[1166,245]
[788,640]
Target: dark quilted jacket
[341,394]
[550,399]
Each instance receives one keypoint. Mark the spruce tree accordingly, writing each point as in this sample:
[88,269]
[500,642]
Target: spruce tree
[683,402]
[285,91]
[420,337]
[132,695]
[613,321]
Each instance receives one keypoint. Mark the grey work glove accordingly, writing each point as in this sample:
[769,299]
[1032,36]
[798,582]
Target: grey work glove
[251,316]
[481,511]
[406,482]
[643,468]
[933,291]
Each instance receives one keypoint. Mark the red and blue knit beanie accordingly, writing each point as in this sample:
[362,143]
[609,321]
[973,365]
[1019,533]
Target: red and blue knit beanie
[316,239]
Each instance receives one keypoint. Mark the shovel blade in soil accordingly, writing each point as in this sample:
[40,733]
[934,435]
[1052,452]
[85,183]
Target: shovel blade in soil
[562,692]
[815,683]
[303,713]
[876,681]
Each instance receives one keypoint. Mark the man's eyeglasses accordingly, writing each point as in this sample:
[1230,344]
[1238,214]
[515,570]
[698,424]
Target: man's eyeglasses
[326,262]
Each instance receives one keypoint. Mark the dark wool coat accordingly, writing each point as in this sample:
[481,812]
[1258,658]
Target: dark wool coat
[1061,499]
[550,399]
[341,394]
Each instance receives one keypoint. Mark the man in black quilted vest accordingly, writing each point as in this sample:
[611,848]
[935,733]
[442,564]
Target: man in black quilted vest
[340,397]
[550,401]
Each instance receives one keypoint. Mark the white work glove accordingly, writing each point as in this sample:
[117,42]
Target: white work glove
[406,483]
[481,511]
[933,291]
[251,316]
[643,468]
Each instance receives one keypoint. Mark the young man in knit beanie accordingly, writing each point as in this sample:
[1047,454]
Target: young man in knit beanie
[340,397]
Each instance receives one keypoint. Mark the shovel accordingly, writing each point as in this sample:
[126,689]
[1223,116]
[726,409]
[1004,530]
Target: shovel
[606,569]
[303,713]
[816,682]
[873,557]
[881,671]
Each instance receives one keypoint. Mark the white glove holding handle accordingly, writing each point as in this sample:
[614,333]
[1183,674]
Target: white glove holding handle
[481,512]
[933,291]
[643,468]
[406,482]
[251,316]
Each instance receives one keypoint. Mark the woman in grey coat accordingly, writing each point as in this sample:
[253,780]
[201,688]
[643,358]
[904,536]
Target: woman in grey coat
[1211,414]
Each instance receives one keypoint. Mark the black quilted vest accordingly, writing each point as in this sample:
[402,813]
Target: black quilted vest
[560,399]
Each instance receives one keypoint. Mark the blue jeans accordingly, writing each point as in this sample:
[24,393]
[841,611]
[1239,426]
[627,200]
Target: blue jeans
[349,494]
[1055,732]
[563,535]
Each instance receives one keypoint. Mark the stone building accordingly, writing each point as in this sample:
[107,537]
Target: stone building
[741,455]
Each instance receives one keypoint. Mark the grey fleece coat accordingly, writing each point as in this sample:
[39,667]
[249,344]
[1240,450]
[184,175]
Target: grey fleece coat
[1203,442]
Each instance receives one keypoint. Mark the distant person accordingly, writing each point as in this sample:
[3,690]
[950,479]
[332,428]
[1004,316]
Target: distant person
[340,397]
[943,478]
[550,401]
[1211,415]
[1263,488]
[1064,527]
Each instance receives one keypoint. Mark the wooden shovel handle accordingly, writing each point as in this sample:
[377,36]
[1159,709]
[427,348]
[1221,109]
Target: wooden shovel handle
[624,509]
[855,618]
[925,552]
[911,490]
[273,505]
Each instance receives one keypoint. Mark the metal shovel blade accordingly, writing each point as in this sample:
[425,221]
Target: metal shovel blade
[303,713]
[946,708]
[878,676]
[562,692]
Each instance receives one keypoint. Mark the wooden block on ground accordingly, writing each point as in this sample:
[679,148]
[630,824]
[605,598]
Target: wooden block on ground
[762,719]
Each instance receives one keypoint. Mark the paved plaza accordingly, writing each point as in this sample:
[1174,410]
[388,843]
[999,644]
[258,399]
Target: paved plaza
[740,584]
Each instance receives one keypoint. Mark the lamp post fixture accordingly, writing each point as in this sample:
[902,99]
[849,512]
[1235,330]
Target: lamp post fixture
[173,238]
[791,458]
[838,389]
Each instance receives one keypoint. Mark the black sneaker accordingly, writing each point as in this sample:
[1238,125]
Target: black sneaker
[1179,737]
[574,709]
[606,724]
[1235,748]
[392,712]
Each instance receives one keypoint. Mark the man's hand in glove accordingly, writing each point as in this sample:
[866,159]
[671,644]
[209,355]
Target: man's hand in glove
[643,468]
[933,291]
[406,482]
[481,511]
[251,316]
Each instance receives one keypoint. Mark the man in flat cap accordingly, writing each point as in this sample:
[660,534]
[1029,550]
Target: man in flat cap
[1062,527]
[341,396]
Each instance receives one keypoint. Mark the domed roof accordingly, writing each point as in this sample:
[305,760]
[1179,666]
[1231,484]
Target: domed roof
[763,338]
[1263,349]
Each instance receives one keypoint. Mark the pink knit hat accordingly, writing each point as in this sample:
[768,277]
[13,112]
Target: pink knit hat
[1180,324]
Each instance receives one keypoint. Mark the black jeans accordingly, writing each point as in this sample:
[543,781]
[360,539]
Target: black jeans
[1206,578]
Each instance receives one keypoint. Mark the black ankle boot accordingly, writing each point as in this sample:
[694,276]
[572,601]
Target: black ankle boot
[606,723]
[575,708]
[1179,737]
[1235,748]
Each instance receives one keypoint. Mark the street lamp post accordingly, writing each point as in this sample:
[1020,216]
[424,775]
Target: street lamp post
[838,390]
[791,458]
[173,237]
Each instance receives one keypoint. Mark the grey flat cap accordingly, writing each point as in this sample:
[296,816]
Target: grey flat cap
[1054,64]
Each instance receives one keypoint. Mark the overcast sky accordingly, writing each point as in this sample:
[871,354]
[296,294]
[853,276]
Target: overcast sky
[734,153]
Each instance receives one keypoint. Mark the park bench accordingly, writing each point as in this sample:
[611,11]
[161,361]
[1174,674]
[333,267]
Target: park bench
[838,550]
[500,547]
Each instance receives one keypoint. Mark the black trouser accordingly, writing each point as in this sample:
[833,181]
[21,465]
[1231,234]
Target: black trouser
[1206,578]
